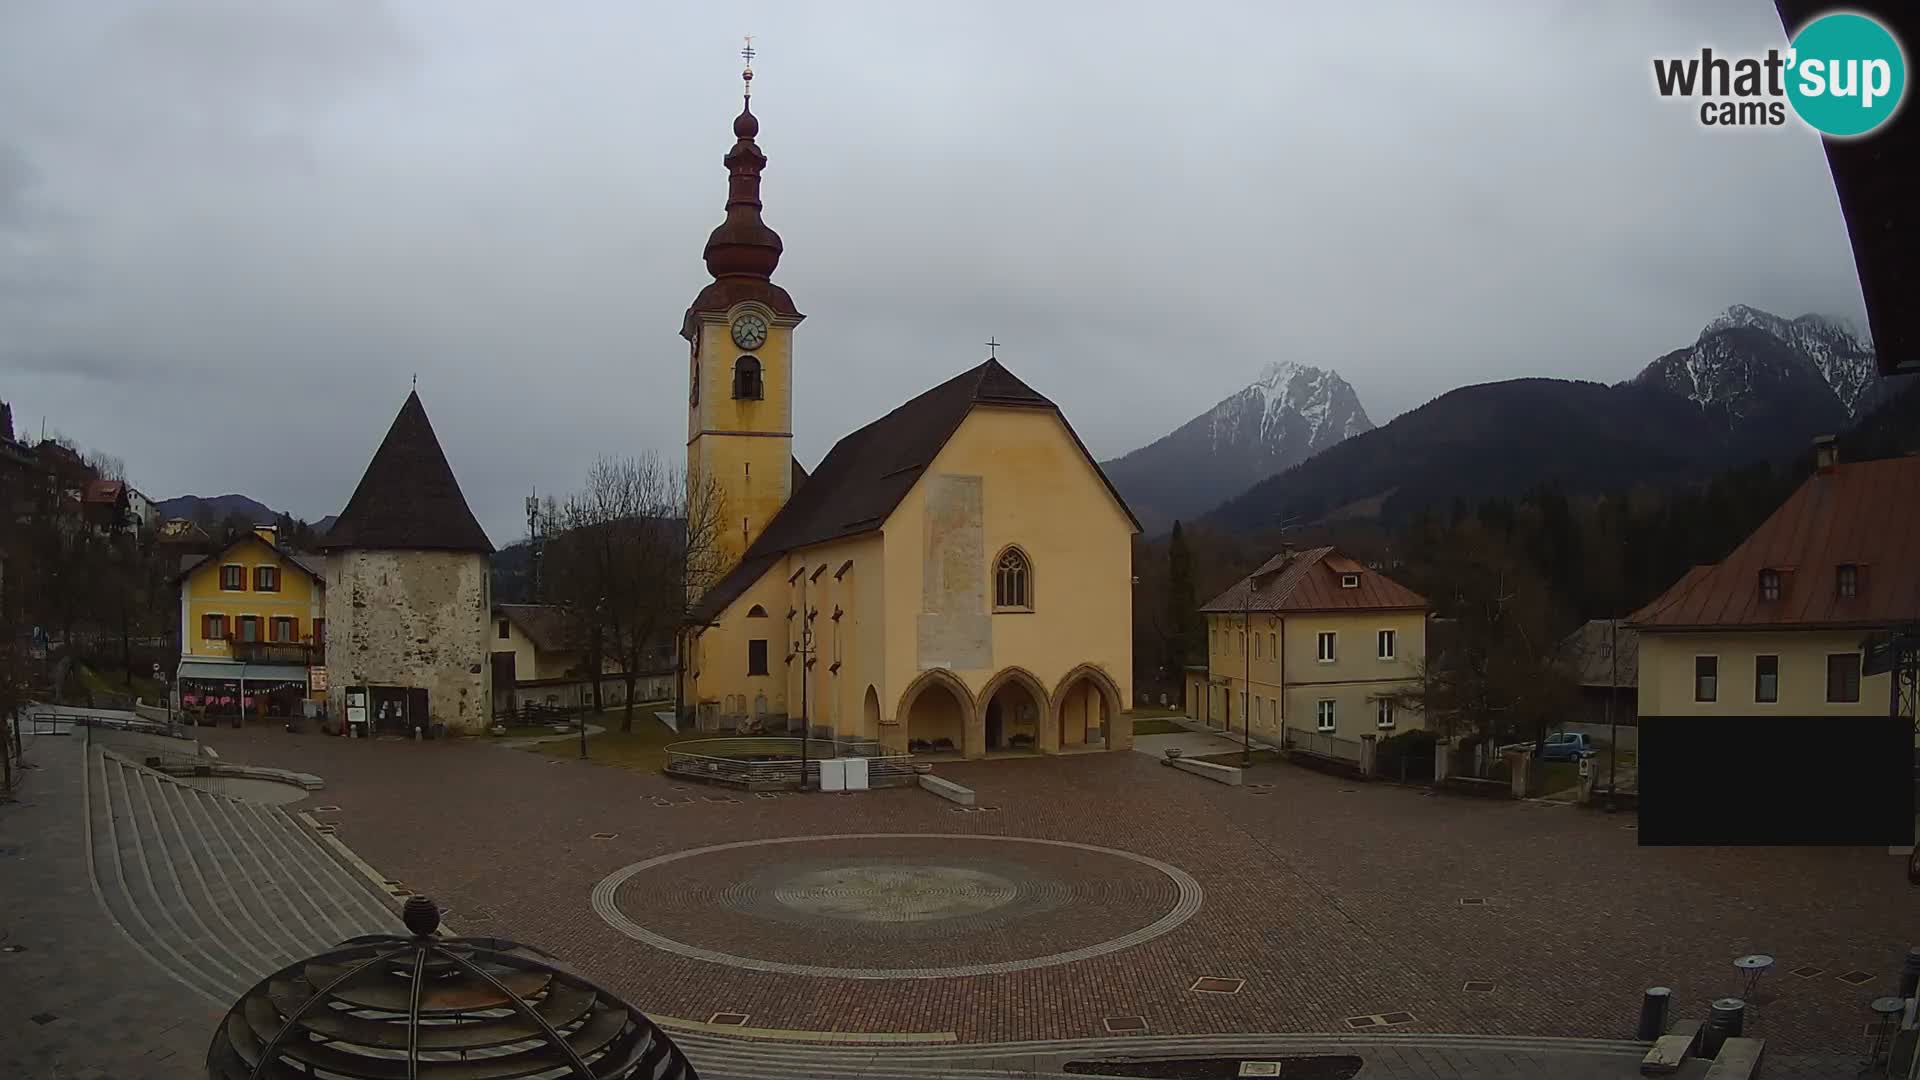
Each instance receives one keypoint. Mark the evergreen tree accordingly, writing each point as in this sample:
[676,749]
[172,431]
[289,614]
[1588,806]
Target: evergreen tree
[1183,615]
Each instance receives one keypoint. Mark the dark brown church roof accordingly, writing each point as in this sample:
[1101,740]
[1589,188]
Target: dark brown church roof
[408,498]
[866,474]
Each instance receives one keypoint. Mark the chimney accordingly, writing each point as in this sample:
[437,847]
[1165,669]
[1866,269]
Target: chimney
[267,533]
[1826,455]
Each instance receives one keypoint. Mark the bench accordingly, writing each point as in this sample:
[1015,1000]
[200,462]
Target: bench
[1738,1059]
[947,789]
[1223,774]
[1671,1050]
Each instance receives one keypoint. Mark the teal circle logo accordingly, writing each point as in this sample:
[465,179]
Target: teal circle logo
[1847,74]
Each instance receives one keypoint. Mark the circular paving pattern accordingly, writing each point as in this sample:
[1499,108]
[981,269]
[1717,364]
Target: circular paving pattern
[863,906]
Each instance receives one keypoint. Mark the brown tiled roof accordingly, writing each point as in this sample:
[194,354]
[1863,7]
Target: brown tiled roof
[103,491]
[314,565]
[1587,652]
[408,498]
[867,473]
[546,625]
[1866,514]
[1308,581]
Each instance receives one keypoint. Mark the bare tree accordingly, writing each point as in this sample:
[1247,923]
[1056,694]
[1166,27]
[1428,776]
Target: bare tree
[626,553]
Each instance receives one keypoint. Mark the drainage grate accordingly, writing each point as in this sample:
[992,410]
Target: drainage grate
[1808,971]
[765,795]
[960,809]
[325,830]
[556,761]
[1856,978]
[604,836]
[43,1018]
[1125,1025]
[1478,986]
[730,1019]
[988,809]
[326,809]
[1396,1018]
[1363,1021]
[1214,984]
[1259,1068]
[664,803]
[721,798]
[1473,901]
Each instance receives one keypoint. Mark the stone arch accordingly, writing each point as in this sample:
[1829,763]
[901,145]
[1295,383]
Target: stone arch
[1022,679]
[756,612]
[935,723]
[1067,693]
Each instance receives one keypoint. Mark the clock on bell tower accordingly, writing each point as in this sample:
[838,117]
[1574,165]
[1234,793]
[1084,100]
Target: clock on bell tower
[739,333]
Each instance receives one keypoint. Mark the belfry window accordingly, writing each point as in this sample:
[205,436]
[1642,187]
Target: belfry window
[746,379]
[1013,581]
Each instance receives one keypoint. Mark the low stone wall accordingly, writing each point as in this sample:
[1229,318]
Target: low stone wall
[947,789]
[1219,774]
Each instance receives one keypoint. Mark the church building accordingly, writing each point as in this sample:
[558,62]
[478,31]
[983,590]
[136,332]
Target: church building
[954,576]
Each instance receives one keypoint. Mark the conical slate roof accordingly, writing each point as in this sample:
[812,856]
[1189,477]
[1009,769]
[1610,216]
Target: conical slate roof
[408,498]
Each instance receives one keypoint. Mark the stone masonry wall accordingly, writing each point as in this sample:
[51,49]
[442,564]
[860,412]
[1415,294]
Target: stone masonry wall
[411,618]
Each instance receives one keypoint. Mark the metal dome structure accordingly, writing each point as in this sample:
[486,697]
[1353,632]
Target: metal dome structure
[393,1007]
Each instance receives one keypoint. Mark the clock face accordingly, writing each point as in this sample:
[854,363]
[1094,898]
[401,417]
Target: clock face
[749,331]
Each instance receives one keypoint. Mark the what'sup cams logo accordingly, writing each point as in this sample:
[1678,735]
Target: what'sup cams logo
[1843,75]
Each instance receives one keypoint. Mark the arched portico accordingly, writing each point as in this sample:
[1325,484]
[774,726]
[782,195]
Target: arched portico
[937,706]
[1087,703]
[1013,713]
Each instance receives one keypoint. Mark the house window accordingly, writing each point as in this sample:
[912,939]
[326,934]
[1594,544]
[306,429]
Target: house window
[1013,581]
[503,630]
[283,629]
[249,628]
[266,579]
[1243,703]
[746,379]
[233,578]
[1846,581]
[213,627]
[757,656]
[1256,648]
[1383,713]
[1706,678]
[1273,646]
[1349,581]
[1843,677]
[1259,706]
[1323,714]
[1766,678]
[1769,584]
[1386,643]
[1326,646]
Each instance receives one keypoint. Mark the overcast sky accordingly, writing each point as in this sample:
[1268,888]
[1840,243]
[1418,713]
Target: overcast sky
[230,233]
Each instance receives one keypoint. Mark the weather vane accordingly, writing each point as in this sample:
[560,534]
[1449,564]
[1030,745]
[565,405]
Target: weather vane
[747,75]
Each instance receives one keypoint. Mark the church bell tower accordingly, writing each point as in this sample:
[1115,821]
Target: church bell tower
[739,332]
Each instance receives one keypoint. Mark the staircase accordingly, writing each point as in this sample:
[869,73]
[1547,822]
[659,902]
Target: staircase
[216,891]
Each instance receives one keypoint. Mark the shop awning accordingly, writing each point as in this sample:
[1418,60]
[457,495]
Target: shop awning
[214,669]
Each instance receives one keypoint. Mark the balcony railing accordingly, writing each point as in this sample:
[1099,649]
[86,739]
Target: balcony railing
[276,652]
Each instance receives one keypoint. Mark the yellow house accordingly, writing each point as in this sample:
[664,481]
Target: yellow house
[1314,649]
[252,626]
[954,576]
[1776,628]
[538,658]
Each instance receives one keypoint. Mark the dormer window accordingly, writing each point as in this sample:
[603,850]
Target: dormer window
[1349,581]
[746,379]
[1846,581]
[1769,585]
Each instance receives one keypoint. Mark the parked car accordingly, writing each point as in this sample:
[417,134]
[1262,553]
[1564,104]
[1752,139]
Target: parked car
[1565,746]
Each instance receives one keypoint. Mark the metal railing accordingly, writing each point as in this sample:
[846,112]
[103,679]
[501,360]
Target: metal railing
[1324,743]
[43,722]
[775,762]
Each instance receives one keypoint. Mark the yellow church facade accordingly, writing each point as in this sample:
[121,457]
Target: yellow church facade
[953,577]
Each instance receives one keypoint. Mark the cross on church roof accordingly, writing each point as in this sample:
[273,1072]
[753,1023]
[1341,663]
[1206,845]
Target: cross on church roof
[746,75]
[993,349]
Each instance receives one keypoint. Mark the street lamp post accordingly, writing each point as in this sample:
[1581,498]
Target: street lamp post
[1246,695]
[1613,721]
[598,605]
[804,648]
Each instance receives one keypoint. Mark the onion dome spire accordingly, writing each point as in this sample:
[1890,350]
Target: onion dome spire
[743,245]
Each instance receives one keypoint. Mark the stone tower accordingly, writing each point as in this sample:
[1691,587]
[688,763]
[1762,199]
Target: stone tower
[739,332]
[409,594]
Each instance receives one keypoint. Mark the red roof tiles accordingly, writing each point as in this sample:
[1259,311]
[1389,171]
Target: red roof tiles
[1310,581]
[1863,515]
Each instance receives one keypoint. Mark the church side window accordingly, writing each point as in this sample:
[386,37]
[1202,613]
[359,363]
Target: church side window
[746,379]
[1013,581]
[757,656]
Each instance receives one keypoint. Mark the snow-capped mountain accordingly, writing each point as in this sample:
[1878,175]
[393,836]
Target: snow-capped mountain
[1752,363]
[1289,413]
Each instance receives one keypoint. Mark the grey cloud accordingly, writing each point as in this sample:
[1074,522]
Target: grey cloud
[243,205]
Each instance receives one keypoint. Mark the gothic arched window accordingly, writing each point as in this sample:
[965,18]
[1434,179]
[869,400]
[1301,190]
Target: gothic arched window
[1013,581]
[756,612]
[746,379]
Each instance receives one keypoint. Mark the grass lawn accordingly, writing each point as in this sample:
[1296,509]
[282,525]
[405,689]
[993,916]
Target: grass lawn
[1154,726]
[143,687]
[1558,776]
[645,749]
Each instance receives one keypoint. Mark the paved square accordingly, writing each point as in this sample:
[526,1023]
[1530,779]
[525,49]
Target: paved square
[1332,901]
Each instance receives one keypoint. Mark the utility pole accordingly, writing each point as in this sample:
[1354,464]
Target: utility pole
[1613,722]
[1246,662]
[804,648]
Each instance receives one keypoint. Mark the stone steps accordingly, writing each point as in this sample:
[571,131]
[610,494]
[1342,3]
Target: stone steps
[217,891]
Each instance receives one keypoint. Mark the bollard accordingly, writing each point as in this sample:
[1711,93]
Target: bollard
[1724,1021]
[1653,1013]
[1910,974]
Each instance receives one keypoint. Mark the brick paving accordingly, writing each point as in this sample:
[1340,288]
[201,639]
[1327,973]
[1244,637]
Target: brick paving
[1331,898]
